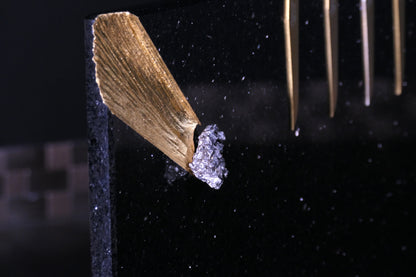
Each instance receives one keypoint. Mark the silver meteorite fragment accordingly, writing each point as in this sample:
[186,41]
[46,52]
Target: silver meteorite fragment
[208,164]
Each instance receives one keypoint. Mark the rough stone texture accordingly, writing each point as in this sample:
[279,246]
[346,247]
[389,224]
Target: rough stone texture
[99,160]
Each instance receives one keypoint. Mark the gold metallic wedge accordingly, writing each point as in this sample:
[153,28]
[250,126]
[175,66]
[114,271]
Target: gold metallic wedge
[331,51]
[367,42]
[138,88]
[398,8]
[291,31]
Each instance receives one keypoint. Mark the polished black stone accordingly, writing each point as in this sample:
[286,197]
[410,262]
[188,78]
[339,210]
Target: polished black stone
[335,197]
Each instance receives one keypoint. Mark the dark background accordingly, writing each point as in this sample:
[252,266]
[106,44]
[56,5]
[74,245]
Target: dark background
[42,75]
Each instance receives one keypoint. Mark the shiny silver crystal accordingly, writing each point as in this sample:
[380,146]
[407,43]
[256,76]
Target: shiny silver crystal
[208,164]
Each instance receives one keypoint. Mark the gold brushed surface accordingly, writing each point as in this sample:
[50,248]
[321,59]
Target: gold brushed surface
[367,42]
[398,11]
[291,32]
[331,51]
[138,88]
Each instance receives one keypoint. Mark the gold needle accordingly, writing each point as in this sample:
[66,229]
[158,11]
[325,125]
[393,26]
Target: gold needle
[291,30]
[331,49]
[367,34]
[398,41]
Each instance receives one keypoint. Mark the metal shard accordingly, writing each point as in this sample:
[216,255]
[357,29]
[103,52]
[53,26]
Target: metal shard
[291,31]
[331,51]
[367,34]
[398,7]
[208,164]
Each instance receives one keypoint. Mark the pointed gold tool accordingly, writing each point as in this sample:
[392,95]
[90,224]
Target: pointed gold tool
[331,51]
[138,88]
[291,30]
[399,42]
[367,37]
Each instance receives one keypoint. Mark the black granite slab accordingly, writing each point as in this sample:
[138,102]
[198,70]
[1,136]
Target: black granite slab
[100,161]
[333,198]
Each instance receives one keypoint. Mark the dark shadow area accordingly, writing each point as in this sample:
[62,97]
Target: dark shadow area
[42,80]
[45,249]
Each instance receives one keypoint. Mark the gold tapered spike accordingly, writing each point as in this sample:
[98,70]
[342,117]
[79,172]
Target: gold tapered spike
[138,88]
[367,37]
[399,43]
[291,30]
[331,51]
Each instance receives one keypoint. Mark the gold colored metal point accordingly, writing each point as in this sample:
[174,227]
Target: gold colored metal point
[398,8]
[331,51]
[291,31]
[138,88]
[367,34]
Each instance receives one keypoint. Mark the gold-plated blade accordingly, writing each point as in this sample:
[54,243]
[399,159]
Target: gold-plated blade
[367,36]
[331,51]
[399,42]
[291,30]
[139,89]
